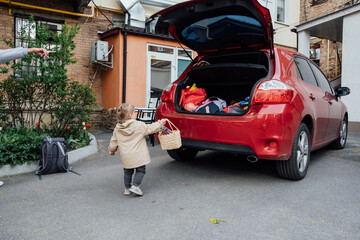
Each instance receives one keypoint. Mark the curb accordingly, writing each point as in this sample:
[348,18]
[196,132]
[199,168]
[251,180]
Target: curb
[73,156]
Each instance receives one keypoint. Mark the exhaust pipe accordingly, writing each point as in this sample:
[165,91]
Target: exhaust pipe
[252,159]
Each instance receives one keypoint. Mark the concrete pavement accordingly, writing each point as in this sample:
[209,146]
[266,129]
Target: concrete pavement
[180,198]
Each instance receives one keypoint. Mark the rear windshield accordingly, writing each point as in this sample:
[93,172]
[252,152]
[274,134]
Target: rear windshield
[228,30]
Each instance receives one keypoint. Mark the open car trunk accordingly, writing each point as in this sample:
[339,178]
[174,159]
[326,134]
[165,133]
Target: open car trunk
[230,77]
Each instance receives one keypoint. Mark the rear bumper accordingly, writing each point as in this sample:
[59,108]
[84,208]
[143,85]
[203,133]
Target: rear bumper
[222,147]
[250,134]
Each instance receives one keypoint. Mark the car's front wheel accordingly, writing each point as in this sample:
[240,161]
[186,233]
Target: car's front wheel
[183,153]
[296,166]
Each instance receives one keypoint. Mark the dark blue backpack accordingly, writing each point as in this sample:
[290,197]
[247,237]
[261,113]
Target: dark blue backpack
[54,157]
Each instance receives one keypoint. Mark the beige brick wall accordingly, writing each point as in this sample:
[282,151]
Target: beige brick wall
[329,63]
[308,11]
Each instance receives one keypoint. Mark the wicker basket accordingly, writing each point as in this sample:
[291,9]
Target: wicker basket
[171,140]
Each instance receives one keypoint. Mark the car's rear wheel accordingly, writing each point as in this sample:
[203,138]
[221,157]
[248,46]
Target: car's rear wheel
[296,166]
[183,153]
[340,142]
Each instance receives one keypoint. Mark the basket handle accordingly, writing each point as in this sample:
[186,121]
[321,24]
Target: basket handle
[172,126]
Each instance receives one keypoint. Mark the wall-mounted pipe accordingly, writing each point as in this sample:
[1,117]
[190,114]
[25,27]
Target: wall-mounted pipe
[110,9]
[11,3]
[124,32]
[124,67]
[157,3]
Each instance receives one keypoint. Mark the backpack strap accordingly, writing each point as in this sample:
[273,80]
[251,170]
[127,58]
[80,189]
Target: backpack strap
[48,151]
[61,148]
[72,171]
[69,169]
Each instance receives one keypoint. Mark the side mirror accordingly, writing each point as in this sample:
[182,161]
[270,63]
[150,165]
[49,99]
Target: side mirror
[342,91]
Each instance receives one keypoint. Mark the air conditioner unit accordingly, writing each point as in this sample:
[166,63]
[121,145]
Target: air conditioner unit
[99,52]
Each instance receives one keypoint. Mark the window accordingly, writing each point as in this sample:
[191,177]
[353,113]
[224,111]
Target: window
[280,11]
[229,30]
[321,79]
[25,33]
[183,61]
[161,49]
[314,2]
[305,72]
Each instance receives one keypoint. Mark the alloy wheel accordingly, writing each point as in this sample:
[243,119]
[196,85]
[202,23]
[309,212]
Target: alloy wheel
[343,132]
[302,151]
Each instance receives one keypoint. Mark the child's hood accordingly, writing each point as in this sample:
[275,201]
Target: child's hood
[126,128]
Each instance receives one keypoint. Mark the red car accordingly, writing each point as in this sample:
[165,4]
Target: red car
[292,109]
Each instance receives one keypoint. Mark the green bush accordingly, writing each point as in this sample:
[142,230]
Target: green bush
[77,136]
[22,145]
[46,88]
[25,96]
[19,146]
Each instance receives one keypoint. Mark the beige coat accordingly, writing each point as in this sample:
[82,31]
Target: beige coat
[129,138]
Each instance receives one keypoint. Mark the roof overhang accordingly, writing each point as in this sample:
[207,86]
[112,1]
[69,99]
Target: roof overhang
[79,5]
[329,26]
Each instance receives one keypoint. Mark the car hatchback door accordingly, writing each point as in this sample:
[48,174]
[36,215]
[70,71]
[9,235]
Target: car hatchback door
[209,26]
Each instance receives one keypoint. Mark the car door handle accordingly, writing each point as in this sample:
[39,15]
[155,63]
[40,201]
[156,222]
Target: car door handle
[311,97]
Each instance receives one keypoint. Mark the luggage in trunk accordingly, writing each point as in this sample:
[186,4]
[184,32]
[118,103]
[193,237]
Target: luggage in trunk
[229,77]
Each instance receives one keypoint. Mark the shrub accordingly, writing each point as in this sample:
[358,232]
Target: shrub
[46,88]
[25,96]
[77,136]
[19,146]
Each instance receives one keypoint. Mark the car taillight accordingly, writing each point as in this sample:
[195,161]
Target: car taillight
[273,91]
[168,94]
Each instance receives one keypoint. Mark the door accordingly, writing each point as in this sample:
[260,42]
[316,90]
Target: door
[160,70]
[335,118]
[317,97]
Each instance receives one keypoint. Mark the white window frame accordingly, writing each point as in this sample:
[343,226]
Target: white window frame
[286,9]
[22,22]
[173,58]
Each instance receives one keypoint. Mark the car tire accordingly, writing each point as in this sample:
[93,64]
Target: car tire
[183,153]
[340,142]
[296,166]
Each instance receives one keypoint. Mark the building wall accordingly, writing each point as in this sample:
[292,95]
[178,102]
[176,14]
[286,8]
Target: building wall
[283,37]
[82,71]
[111,85]
[135,70]
[329,62]
[308,11]
[351,65]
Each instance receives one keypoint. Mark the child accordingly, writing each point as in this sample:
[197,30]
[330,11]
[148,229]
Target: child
[129,137]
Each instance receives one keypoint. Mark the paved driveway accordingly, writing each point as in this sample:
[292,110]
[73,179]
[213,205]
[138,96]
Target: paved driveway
[180,198]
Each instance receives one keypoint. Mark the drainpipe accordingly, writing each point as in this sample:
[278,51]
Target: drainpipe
[338,55]
[124,31]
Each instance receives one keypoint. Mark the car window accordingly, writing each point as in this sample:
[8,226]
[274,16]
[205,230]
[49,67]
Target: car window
[229,30]
[321,79]
[305,71]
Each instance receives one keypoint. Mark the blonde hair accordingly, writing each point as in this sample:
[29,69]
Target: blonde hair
[123,110]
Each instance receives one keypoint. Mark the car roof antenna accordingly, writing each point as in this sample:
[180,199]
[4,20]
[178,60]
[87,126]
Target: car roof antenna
[185,50]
